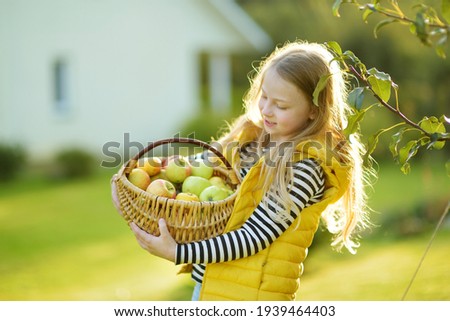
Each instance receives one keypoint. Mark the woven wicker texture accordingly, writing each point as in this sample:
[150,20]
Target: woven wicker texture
[186,221]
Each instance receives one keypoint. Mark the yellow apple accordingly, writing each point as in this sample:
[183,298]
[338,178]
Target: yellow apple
[139,178]
[190,197]
[152,165]
[161,187]
[217,181]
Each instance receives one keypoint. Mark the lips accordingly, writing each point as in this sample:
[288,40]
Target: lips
[268,123]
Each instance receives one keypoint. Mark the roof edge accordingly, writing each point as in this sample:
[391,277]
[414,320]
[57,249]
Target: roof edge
[243,23]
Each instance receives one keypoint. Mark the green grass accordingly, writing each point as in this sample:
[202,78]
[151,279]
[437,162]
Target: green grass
[64,241]
[381,270]
[394,191]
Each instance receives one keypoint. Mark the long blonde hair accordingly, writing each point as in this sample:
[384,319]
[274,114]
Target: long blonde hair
[303,64]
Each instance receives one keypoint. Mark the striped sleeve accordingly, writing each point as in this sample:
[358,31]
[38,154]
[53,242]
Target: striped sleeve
[261,228]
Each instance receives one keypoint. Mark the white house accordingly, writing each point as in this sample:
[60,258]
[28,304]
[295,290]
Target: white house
[85,72]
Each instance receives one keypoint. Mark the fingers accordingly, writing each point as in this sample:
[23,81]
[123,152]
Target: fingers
[113,179]
[140,234]
[144,236]
[163,246]
[114,195]
[163,228]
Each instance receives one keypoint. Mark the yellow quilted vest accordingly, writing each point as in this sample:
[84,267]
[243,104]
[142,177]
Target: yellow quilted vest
[273,274]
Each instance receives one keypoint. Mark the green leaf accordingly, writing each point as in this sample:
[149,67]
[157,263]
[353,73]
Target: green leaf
[352,57]
[381,24]
[440,51]
[353,121]
[372,142]
[412,28]
[421,28]
[445,8]
[336,7]
[320,86]
[406,168]
[379,74]
[333,45]
[380,83]
[395,140]
[380,87]
[367,12]
[406,153]
[356,97]
[433,126]
[445,119]
[434,141]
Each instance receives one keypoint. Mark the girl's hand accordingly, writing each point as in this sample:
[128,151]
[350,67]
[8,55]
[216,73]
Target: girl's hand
[163,246]
[114,196]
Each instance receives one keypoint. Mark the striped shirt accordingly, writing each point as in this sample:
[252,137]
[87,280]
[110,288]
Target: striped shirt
[261,228]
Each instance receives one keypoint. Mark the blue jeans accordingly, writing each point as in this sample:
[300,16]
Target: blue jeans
[196,292]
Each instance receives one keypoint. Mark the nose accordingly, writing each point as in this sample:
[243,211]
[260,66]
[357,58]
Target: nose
[265,107]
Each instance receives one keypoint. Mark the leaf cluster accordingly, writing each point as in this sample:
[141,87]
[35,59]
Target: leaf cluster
[430,27]
[428,133]
[409,136]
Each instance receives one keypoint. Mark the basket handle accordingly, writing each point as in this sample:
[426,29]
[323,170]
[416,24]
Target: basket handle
[127,167]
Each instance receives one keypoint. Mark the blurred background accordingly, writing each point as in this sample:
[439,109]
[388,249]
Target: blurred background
[85,85]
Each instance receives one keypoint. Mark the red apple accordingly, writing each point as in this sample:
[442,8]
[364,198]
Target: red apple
[161,187]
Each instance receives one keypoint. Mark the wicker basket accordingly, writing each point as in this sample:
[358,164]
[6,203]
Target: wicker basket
[186,221]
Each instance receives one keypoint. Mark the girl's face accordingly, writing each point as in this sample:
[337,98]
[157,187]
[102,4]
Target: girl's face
[284,108]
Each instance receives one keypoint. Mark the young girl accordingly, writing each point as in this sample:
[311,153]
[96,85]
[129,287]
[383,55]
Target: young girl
[296,168]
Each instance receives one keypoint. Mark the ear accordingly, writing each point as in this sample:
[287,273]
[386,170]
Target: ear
[313,112]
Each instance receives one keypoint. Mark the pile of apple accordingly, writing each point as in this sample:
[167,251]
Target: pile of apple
[177,178]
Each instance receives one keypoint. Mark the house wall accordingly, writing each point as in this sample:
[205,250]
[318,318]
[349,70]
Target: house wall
[132,68]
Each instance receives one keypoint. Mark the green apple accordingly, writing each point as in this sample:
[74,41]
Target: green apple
[161,187]
[218,181]
[213,193]
[178,169]
[139,178]
[195,185]
[190,197]
[160,175]
[200,168]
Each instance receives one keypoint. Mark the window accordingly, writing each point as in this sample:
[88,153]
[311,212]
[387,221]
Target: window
[61,92]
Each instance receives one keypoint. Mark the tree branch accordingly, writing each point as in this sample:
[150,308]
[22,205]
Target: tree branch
[391,108]
[405,18]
